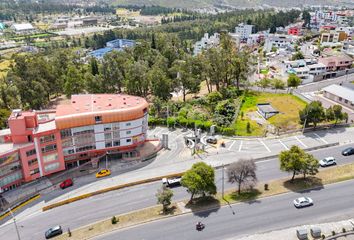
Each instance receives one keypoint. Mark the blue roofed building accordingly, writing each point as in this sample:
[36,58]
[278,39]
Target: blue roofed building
[99,53]
[117,45]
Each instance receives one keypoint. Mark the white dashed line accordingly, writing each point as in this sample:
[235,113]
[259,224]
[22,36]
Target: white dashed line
[286,147]
[264,145]
[319,137]
[303,144]
[231,145]
[240,147]
[263,161]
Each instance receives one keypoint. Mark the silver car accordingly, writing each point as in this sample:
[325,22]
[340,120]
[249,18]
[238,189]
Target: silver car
[328,161]
[303,202]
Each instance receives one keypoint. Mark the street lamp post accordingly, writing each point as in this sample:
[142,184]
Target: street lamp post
[18,233]
[106,161]
[222,184]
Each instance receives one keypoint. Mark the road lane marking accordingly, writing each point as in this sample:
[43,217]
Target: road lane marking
[263,161]
[231,145]
[286,147]
[240,147]
[303,144]
[264,145]
[319,137]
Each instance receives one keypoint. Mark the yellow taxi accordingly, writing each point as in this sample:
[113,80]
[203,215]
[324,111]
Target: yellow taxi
[103,173]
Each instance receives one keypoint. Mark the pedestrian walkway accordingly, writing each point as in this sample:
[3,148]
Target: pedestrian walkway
[290,233]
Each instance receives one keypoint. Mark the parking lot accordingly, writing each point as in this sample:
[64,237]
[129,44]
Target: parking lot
[269,146]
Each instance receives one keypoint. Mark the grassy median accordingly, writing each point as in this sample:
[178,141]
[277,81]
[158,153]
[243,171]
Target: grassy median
[327,176]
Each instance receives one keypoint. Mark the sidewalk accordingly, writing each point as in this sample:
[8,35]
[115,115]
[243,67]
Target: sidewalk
[290,233]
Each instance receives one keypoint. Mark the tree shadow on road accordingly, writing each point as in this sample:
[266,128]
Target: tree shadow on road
[204,206]
[306,185]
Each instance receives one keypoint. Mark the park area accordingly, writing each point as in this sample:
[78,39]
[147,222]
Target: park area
[233,112]
[287,119]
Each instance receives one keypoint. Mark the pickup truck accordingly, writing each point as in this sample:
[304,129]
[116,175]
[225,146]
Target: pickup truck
[172,182]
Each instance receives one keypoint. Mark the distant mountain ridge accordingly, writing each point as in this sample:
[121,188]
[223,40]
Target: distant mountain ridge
[233,3]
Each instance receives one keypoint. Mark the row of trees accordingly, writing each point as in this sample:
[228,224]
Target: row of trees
[293,81]
[156,68]
[16,10]
[314,113]
[193,28]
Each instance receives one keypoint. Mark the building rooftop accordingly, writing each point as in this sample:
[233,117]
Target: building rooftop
[340,91]
[267,108]
[23,26]
[45,127]
[101,52]
[9,147]
[83,109]
[5,132]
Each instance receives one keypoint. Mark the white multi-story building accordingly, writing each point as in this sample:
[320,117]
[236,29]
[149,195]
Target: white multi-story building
[278,41]
[244,30]
[206,42]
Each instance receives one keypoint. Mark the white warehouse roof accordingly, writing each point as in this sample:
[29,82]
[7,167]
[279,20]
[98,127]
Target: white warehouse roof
[343,92]
[23,27]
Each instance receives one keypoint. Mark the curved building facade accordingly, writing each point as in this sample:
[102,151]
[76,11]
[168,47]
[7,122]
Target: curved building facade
[90,126]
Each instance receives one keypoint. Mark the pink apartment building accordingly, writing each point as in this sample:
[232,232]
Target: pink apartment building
[39,143]
[336,63]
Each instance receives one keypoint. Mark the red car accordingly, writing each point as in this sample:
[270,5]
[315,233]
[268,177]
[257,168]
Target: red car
[66,183]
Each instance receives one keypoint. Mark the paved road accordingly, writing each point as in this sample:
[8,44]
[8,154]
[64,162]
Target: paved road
[103,206]
[333,202]
[312,87]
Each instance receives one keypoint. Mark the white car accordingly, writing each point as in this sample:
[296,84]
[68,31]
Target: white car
[328,161]
[303,202]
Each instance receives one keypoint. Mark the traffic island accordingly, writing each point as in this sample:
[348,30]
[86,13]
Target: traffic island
[122,221]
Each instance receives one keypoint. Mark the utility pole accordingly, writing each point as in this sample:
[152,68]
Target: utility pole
[106,161]
[12,215]
[168,115]
[222,184]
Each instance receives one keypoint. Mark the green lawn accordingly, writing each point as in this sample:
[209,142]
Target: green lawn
[287,104]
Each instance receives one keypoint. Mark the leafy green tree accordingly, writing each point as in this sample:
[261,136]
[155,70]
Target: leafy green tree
[32,77]
[338,113]
[74,83]
[94,66]
[293,81]
[164,197]
[278,84]
[310,165]
[4,115]
[137,81]
[264,83]
[160,83]
[187,74]
[199,180]
[113,71]
[297,56]
[329,114]
[297,161]
[313,113]
[307,18]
